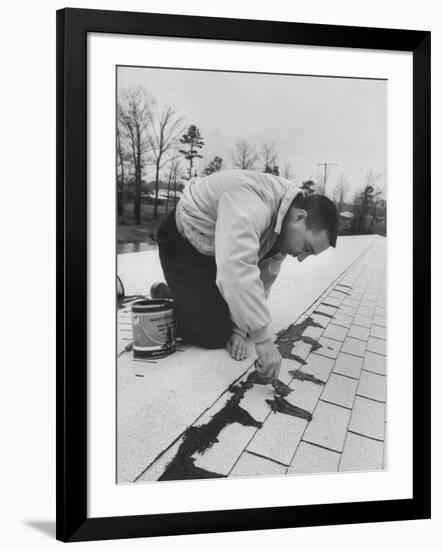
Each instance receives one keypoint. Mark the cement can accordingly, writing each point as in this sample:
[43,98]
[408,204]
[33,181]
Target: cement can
[153,327]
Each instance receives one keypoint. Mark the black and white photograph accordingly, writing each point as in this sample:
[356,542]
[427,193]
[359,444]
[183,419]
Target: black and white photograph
[251,254]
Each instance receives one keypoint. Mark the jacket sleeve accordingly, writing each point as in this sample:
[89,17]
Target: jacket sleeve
[240,217]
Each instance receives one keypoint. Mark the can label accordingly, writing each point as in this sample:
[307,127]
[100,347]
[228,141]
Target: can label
[153,333]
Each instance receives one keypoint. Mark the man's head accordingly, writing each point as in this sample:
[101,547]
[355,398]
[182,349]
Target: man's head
[309,227]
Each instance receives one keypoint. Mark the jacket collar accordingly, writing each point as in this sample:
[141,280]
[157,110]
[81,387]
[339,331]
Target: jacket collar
[287,200]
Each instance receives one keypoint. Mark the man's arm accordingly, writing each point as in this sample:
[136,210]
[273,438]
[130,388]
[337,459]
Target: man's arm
[238,274]
[236,254]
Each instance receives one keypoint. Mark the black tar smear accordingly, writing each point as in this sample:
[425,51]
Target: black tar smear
[200,438]
[286,338]
[279,404]
[197,439]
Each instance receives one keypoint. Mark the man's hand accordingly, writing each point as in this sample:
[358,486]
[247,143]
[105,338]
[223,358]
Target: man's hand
[269,360]
[237,347]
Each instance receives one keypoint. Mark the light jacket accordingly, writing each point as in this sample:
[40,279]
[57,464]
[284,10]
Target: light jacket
[236,216]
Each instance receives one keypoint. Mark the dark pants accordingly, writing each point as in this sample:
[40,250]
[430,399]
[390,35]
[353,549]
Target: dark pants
[201,313]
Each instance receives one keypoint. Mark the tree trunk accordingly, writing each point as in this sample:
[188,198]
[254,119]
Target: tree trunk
[137,204]
[120,185]
[157,176]
[138,197]
[168,190]
[122,193]
[174,188]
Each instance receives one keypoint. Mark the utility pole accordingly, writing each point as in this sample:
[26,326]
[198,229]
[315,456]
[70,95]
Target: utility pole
[325,164]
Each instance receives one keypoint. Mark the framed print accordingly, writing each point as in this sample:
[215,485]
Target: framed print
[243,274]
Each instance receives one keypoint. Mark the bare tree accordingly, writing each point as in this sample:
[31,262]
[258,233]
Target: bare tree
[268,156]
[371,178]
[244,155]
[120,176]
[320,182]
[133,116]
[174,172]
[340,191]
[379,205]
[165,130]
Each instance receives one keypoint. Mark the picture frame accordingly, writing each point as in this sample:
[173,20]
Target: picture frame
[73,27]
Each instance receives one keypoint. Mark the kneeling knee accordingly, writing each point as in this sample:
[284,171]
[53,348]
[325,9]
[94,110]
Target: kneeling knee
[214,337]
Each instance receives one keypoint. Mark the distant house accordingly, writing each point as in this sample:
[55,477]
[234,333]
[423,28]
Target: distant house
[346,219]
[162,196]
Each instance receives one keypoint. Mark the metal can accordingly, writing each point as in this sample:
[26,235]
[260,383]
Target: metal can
[153,327]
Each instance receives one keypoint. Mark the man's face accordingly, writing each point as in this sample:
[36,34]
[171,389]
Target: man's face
[298,241]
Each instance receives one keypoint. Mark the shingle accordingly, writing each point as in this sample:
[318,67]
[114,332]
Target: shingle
[372,386]
[342,320]
[253,465]
[374,362]
[335,332]
[278,438]
[380,321]
[319,366]
[362,321]
[365,311]
[328,310]
[329,348]
[358,332]
[354,347]
[331,301]
[361,454]
[337,295]
[322,320]
[378,332]
[376,345]
[305,394]
[301,349]
[313,332]
[347,310]
[328,427]
[340,390]
[254,401]
[368,305]
[311,459]
[351,302]
[368,418]
[349,365]
[221,457]
[286,366]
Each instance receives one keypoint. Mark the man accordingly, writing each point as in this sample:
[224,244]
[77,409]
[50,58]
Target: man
[222,248]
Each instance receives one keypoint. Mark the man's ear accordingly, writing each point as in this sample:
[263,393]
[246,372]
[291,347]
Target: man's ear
[300,214]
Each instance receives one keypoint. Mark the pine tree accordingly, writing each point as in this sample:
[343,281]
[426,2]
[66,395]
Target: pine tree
[194,140]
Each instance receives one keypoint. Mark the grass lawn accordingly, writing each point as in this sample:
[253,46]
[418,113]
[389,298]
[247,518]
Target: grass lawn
[145,232]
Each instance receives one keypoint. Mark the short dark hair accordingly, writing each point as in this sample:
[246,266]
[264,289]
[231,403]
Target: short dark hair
[321,214]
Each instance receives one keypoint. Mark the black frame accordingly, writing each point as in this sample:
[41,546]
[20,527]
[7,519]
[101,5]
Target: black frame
[72,28]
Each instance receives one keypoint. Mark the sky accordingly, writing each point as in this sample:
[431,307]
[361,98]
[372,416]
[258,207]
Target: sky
[310,120]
